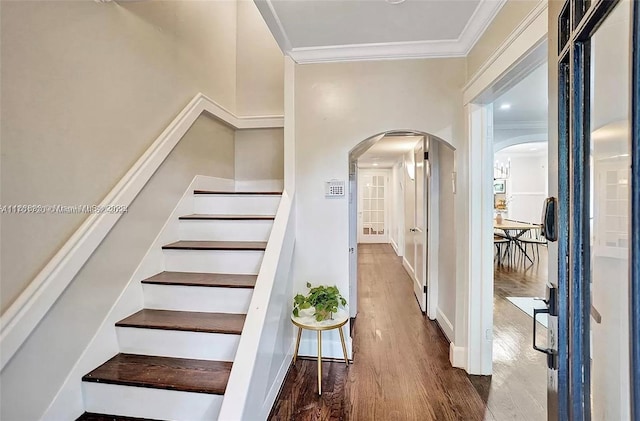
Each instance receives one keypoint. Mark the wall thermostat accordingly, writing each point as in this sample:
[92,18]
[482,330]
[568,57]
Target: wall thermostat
[334,188]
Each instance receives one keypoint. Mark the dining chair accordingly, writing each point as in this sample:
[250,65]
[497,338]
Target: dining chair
[501,242]
[535,238]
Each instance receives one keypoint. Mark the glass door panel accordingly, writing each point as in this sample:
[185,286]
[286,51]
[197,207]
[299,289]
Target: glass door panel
[372,212]
[609,216]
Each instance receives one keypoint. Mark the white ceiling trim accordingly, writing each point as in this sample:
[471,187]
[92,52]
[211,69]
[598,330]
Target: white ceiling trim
[521,125]
[381,51]
[460,47]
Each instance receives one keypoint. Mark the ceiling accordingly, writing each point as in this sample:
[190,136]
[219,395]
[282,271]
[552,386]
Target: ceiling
[387,151]
[528,100]
[336,30]
[520,115]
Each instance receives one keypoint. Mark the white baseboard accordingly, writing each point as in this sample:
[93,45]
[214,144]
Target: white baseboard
[395,247]
[445,324]
[68,402]
[259,185]
[458,356]
[409,269]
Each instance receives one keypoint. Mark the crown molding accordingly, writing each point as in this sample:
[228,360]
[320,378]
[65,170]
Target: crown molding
[378,51]
[479,22]
[460,47]
[521,125]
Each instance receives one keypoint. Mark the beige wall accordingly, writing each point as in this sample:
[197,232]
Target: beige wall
[259,154]
[260,65]
[87,87]
[446,236]
[336,107]
[206,149]
[507,19]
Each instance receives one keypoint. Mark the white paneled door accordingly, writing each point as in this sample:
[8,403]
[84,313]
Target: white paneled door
[373,224]
[418,231]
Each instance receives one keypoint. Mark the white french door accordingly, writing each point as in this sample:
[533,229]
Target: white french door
[373,224]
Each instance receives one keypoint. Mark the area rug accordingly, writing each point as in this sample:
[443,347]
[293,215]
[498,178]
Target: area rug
[527,304]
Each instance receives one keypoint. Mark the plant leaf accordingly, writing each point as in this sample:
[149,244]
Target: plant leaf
[295,312]
[308,285]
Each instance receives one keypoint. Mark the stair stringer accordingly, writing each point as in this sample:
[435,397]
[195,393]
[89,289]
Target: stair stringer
[68,402]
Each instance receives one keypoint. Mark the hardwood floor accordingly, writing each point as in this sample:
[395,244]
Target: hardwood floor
[401,369]
[517,390]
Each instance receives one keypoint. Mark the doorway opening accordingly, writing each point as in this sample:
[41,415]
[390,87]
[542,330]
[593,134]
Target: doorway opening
[401,195]
[519,126]
[509,132]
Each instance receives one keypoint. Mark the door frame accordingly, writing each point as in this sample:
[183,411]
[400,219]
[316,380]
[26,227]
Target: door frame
[520,53]
[573,65]
[353,156]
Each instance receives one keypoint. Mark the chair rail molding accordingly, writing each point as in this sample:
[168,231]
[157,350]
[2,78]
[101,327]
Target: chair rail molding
[19,320]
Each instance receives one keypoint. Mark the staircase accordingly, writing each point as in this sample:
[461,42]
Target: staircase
[176,353]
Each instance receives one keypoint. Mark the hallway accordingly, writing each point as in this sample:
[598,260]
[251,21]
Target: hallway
[401,369]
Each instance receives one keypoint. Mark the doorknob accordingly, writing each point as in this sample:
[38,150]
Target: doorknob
[412,229]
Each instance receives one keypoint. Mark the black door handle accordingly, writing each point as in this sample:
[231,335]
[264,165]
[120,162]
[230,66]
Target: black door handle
[550,353]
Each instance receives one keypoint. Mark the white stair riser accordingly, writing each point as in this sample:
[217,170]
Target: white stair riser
[191,298]
[236,205]
[178,344]
[240,262]
[225,230]
[151,403]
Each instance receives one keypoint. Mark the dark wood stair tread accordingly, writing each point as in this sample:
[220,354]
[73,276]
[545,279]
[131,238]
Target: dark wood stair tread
[90,416]
[222,280]
[240,193]
[216,245]
[185,321]
[206,217]
[182,374]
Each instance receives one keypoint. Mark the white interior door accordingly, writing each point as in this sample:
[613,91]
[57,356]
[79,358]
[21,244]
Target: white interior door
[419,231]
[373,225]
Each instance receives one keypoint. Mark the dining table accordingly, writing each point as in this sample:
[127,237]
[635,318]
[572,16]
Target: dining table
[513,230]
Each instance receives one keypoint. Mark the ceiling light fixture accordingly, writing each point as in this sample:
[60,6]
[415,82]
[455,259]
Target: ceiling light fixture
[395,1]
[375,164]
[505,106]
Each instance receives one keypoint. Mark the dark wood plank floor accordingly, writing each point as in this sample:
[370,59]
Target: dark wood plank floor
[517,389]
[401,369]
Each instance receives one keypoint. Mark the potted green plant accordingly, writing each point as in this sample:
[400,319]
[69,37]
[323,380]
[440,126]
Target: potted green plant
[325,301]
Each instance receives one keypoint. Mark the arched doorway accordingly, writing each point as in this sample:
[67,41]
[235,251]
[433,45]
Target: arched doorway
[420,185]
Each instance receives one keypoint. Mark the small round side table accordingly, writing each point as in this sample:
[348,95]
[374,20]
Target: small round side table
[308,322]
